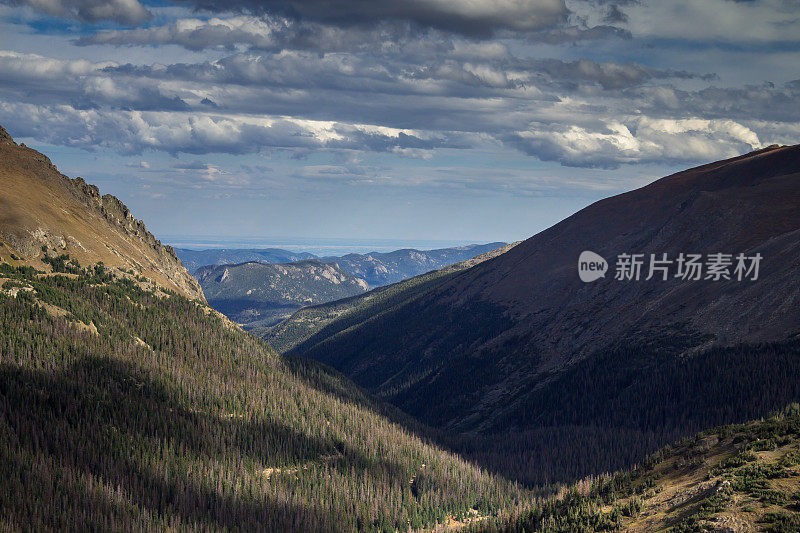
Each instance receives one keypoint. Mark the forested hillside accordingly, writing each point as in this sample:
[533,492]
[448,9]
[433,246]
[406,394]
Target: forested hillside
[124,407]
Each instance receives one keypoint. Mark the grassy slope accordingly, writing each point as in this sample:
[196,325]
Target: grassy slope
[169,416]
[743,477]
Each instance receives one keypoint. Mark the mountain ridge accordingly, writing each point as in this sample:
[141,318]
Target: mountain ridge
[46,212]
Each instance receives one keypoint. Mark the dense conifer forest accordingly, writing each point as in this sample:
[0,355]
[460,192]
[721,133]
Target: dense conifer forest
[124,407]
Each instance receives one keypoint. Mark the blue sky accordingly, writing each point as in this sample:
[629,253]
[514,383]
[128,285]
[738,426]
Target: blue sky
[457,120]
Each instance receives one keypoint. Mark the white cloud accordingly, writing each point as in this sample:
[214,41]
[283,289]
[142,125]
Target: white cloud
[641,140]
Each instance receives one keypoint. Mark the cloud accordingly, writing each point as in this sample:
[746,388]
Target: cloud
[273,32]
[468,17]
[716,21]
[271,78]
[39,79]
[473,95]
[133,132]
[615,14]
[196,34]
[129,12]
[609,74]
[641,140]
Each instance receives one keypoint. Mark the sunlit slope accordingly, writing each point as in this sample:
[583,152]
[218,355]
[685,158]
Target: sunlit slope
[732,478]
[44,212]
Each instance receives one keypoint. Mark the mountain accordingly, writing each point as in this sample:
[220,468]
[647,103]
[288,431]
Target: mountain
[524,358]
[356,309]
[380,269]
[375,268]
[258,297]
[194,259]
[262,294]
[45,214]
[164,416]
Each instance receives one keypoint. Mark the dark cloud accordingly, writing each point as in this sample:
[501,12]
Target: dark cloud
[609,74]
[480,18]
[273,33]
[129,12]
[615,15]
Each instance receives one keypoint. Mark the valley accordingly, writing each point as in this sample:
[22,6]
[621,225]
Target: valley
[420,266]
[128,402]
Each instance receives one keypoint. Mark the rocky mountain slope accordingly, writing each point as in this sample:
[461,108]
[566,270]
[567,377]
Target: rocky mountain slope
[501,347]
[194,259]
[261,294]
[45,213]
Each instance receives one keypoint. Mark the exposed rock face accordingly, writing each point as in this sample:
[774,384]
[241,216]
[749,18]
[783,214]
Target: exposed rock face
[39,207]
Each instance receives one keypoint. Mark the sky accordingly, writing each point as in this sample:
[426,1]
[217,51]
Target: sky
[415,120]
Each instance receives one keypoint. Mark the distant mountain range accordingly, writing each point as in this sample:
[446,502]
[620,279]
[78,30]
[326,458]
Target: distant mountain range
[194,259]
[380,269]
[272,283]
[261,294]
[313,320]
[376,268]
[521,351]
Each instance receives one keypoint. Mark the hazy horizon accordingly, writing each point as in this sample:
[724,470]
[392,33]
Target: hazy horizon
[318,246]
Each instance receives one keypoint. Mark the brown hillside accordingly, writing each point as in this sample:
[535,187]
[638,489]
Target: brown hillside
[39,207]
